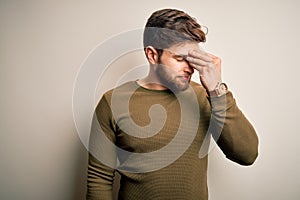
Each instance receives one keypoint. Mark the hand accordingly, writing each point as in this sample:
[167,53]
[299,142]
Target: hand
[208,66]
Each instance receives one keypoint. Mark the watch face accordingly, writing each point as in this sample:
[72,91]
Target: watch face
[222,87]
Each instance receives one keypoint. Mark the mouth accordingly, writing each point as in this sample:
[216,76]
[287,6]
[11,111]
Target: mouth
[185,77]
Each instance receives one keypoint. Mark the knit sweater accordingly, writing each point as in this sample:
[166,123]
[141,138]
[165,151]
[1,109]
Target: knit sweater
[141,121]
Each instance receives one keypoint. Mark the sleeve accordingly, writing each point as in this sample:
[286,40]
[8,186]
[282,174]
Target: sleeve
[234,134]
[102,156]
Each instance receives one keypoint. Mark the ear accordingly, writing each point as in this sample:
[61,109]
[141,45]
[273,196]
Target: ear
[151,55]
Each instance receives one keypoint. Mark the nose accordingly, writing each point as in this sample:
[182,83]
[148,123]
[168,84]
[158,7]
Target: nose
[187,68]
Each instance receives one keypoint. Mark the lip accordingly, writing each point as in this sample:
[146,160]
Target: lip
[187,77]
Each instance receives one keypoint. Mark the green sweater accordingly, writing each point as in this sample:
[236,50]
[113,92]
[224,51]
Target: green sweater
[142,121]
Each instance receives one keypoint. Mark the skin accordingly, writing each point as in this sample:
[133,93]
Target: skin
[177,64]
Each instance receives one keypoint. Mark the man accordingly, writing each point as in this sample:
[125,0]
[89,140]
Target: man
[154,131]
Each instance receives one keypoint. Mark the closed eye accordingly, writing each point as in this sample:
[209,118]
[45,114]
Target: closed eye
[180,58]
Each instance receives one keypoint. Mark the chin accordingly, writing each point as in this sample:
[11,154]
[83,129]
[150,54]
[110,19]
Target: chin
[181,87]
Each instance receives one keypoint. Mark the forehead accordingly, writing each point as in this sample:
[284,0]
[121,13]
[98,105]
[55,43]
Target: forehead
[183,48]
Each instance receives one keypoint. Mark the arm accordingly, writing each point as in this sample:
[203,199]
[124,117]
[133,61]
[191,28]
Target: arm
[100,180]
[233,132]
[100,175]
[238,139]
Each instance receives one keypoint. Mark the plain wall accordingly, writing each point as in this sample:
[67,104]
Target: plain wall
[43,44]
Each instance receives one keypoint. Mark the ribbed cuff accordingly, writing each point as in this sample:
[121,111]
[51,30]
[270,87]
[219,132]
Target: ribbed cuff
[222,102]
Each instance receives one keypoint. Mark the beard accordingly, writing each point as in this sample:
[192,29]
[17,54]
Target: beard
[174,83]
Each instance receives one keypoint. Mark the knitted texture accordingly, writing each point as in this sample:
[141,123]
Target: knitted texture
[186,177]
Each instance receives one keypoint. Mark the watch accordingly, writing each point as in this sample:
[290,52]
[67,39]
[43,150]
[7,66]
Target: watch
[220,89]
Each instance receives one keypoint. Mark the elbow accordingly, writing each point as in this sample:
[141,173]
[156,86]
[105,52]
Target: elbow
[250,153]
[244,161]
[244,153]
[245,157]
[250,159]
[250,156]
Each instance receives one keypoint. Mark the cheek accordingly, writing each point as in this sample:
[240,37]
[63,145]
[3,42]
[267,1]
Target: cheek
[174,65]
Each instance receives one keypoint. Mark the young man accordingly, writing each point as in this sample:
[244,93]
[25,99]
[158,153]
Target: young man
[154,131]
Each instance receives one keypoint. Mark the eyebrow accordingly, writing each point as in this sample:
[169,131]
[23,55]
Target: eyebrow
[175,54]
[180,55]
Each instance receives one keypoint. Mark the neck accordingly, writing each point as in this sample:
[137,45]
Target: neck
[151,82]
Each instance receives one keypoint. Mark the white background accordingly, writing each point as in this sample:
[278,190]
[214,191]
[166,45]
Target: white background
[43,44]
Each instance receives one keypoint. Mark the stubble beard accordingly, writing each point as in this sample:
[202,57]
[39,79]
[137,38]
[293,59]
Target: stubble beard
[170,81]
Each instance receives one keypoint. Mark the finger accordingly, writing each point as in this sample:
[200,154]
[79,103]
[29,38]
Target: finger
[203,71]
[211,55]
[197,67]
[197,61]
[215,59]
[200,55]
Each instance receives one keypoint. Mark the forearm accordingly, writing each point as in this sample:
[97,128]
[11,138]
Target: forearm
[100,180]
[101,155]
[238,139]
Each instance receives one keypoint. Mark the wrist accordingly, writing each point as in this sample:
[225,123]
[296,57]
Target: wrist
[220,90]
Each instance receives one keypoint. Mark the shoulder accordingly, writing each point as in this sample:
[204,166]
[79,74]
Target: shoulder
[118,93]
[123,88]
